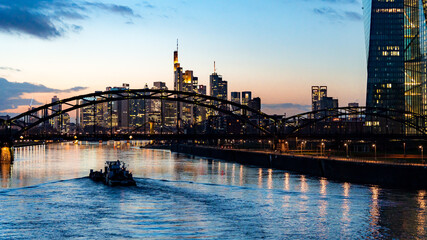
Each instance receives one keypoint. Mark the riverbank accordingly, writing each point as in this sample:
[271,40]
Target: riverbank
[27,144]
[394,175]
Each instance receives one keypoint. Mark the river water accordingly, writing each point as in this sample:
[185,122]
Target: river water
[45,194]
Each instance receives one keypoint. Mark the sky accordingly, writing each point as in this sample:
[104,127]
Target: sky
[277,49]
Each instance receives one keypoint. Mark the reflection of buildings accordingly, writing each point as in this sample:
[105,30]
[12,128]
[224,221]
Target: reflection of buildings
[397,222]
[396,55]
[5,173]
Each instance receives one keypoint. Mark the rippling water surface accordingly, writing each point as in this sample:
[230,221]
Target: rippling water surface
[45,194]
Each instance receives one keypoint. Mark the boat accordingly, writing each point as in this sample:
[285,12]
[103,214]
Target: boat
[115,174]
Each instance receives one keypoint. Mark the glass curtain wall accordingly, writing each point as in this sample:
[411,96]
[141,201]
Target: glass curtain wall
[395,33]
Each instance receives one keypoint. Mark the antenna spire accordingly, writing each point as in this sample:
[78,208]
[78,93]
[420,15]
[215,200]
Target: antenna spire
[177,44]
[214,67]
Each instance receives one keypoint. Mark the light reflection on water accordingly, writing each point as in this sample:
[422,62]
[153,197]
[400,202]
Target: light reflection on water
[180,196]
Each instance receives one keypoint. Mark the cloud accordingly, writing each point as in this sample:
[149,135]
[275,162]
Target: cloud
[123,10]
[48,19]
[10,93]
[287,105]
[288,108]
[333,14]
[10,69]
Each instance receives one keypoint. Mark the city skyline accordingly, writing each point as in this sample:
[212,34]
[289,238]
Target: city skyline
[108,44]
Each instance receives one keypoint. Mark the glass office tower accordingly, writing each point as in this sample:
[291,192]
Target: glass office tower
[395,33]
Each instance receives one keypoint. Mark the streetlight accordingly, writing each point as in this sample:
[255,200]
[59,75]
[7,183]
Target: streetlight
[404,149]
[375,149]
[346,148]
[130,137]
[422,153]
[322,146]
[302,144]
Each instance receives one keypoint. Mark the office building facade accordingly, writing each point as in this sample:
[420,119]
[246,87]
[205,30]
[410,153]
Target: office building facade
[396,50]
[218,89]
[317,93]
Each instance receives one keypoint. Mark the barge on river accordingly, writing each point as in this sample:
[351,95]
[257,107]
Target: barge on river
[115,174]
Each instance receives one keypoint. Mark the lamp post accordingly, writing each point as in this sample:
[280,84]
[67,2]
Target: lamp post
[375,149]
[422,153]
[302,145]
[322,146]
[346,149]
[302,142]
[404,150]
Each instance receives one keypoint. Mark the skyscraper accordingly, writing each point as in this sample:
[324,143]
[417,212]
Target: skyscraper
[200,113]
[183,82]
[255,104]
[246,97]
[55,122]
[396,53]
[235,97]
[218,88]
[317,92]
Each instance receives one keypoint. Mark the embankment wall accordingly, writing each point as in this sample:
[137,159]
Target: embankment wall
[384,174]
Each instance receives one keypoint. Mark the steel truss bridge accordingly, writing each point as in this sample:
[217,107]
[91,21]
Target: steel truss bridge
[344,122]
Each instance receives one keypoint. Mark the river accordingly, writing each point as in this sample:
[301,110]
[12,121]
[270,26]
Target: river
[45,194]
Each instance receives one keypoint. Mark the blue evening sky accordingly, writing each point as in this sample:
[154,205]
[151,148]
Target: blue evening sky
[277,49]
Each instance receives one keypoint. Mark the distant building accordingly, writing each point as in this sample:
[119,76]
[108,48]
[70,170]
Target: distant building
[353,104]
[87,115]
[255,103]
[235,97]
[201,89]
[354,115]
[200,113]
[183,82]
[317,92]
[55,122]
[246,98]
[326,103]
[162,112]
[112,115]
[218,88]
[138,111]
